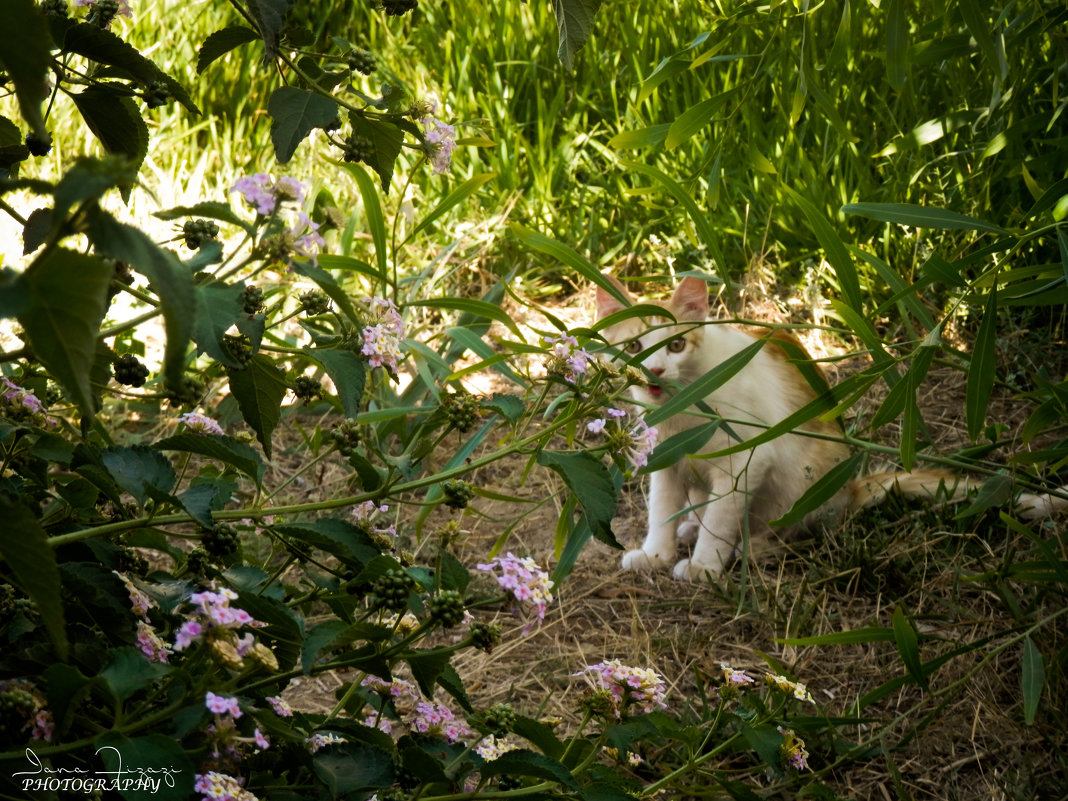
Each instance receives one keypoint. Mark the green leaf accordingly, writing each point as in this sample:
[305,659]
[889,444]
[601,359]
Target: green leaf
[353,767]
[386,140]
[765,740]
[983,370]
[588,478]
[340,538]
[68,299]
[24,546]
[157,756]
[138,467]
[270,18]
[974,16]
[640,137]
[208,208]
[908,646]
[222,42]
[25,54]
[218,307]
[349,374]
[204,496]
[700,219]
[540,734]
[454,198]
[920,217]
[172,283]
[825,488]
[128,671]
[259,389]
[295,113]
[897,44]
[701,388]
[866,634]
[234,452]
[105,47]
[376,222]
[115,120]
[1032,679]
[574,23]
[476,308]
[566,255]
[692,120]
[676,447]
[837,253]
[426,667]
[321,636]
[522,762]
[996,491]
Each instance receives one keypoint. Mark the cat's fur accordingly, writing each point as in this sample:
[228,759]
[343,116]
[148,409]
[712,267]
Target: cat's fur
[742,492]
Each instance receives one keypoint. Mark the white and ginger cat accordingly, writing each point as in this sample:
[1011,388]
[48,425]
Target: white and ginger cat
[742,492]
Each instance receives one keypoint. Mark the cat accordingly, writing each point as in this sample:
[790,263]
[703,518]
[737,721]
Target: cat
[724,497]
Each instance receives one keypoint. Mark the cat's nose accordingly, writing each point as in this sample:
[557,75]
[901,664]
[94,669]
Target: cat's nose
[657,371]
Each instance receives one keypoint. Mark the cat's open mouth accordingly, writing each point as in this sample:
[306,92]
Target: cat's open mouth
[655,390]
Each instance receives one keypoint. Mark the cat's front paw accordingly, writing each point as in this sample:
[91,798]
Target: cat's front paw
[641,562]
[688,532]
[689,570]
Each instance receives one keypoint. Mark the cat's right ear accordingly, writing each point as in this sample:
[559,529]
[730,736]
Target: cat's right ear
[607,303]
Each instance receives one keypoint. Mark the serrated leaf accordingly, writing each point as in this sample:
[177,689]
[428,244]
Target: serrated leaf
[115,120]
[349,374]
[574,23]
[347,542]
[128,671]
[259,389]
[157,755]
[24,547]
[386,142]
[171,282]
[67,302]
[1032,679]
[522,762]
[137,467]
[540,734]
[218,307]
[204,496]
[295,113]
[222,42]
[908,646]
[270,17]
[25,53]
[234,452]
[983,368]
[426,667]
[353,767]
[318,638]
[589,480]
[510,407]
[208,208]
[766,740]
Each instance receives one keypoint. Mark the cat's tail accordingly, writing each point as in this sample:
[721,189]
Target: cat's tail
[940,486]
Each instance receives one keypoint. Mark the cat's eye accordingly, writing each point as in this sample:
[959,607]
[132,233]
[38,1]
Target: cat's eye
[634,346]
[677,345]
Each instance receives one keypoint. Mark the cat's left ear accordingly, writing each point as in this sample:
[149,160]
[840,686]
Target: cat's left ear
[690,301]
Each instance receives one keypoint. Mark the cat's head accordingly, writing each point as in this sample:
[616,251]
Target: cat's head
[670,346]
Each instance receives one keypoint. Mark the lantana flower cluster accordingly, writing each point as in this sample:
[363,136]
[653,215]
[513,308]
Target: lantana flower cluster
[641,687]
[633,442]
[200,424]
[266,194]
[383,334]
[20,404]
[566,357]
[527,583]
[793,749]
[365,513]
[221,787]
[441,141]
[151,644]
[216,622]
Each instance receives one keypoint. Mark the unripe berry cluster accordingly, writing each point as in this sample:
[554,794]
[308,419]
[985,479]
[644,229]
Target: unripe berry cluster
[156,94]
[358,148]
[130,371]
[461,408]
[391,590]
[306,388]
[346,436]
[446,608]
[314,302]
[220,541]
[362,61]
[457,493]
[197,232]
